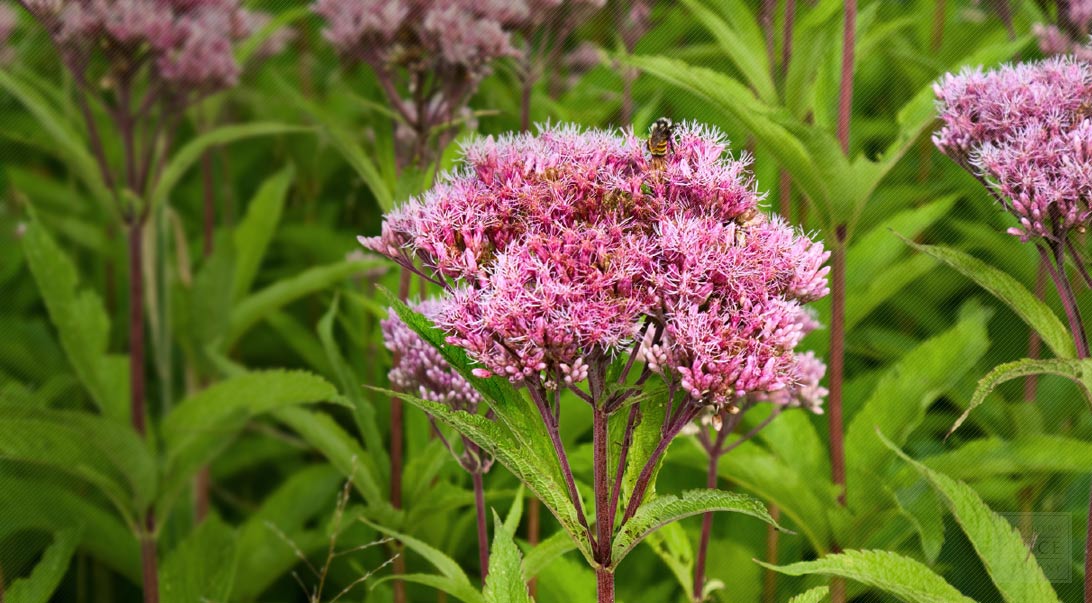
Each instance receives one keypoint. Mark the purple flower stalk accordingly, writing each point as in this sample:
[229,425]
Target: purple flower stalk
[569,251]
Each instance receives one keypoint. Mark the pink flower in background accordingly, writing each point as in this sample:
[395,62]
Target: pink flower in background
[1024,130]
[422,371]
[9,20]
[565,248]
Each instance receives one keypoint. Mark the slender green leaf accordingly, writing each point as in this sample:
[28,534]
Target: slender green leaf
[201,567]
[750,60]
[905,578]
[504,584]
[663,510]
[81,322]
[1013,569]
[39,586]
[254,233]
[252,309]
[1074,370]
[815,595]
[545,552]
[1007,289]
[188,155]
[451,573]
[203,425]
[338,447]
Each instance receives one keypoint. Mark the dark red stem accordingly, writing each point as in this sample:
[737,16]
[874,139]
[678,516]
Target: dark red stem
[845,90]
[604,585]
[483,532]
[1034,340]
[136,324]
[562,457]
[397,436]
[149,562]
[773,538]
[601,484]
[1069,299]
[707,519]
[837,364]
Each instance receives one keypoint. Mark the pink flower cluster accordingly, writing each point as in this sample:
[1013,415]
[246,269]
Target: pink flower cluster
[421,369]
[189,42]
[462,35]
[1025,130]
[574,245]
[1071,35]
[8,22]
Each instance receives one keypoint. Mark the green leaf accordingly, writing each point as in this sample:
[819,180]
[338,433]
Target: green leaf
[378,460]
[537,472]
[343,452]
[188,155]
[1013,569]
[352,151]
[992,457]
[70,144]
[452,578]
[258,305]
[254,233]
[1031,309]
[518,438]
[39,586]
[1070,369]
[545,552]
[81,322]
[663,510]
[905,578]
[504,584]
[902,396]
[201,567]
[105,454]
[750,60]
[672,545]
[203,425]
[815,595]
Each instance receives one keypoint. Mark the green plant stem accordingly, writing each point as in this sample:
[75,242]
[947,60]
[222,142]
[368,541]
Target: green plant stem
[483,533]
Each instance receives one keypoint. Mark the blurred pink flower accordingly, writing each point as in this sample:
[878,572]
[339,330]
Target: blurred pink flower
[570,246]
[1024,130]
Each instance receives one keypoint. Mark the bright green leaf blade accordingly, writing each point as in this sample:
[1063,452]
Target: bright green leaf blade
[69,144]
[905,578]
[1013,569]
[341,449]
[201,426]
[505,583]
[455,588]
[254,233]
[39,586]
[108,455]
[201,567]
[252,309]
[1031,309]
[448,567]
[545,552]
[992,457]
[81,322]
[532,469]
[350,149]
[672,545]
[815,595]
[750,60]
[902,396]
[1074,370]
[666,509]
[188,155]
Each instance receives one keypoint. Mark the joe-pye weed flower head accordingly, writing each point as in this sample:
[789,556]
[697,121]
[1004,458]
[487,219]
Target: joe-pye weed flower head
[565,249]
[1024,130]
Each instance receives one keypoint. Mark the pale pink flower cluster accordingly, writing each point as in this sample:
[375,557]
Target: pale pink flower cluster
[421,370]
[8,22]
[1071,36]
[564,248]
[1024,129]
[460,35]
[189,42]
